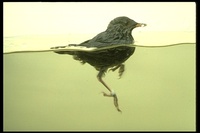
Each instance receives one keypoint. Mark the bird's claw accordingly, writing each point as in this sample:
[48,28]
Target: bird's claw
[107,95]
[121,70]
[113,94]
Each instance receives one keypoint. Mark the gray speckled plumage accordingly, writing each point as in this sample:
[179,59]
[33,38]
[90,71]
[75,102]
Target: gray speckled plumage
[117,32]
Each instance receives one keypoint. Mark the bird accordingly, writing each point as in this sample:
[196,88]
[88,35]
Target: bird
[118,32]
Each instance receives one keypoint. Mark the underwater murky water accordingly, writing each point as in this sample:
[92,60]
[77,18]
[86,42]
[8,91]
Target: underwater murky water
[47,91]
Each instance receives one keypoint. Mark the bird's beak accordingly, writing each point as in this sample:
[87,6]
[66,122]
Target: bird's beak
[140,25]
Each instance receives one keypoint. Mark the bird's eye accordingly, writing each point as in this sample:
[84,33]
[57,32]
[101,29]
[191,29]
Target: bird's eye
[125,22]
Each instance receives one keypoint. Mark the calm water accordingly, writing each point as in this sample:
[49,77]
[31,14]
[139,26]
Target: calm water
[47,91]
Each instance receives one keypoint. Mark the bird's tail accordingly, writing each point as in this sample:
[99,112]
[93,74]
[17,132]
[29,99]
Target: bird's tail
[64,52]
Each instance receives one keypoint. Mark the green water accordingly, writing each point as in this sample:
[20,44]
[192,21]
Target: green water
[47,91]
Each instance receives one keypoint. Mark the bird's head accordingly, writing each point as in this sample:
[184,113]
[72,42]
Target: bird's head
[124,24]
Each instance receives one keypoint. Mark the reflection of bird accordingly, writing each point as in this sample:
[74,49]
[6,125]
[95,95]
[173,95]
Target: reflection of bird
[118,32]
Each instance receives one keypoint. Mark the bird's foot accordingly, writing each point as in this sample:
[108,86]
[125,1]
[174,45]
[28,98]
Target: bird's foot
[121,68]
[114,68]
[113,94]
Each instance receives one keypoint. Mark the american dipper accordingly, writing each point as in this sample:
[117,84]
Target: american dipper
[118,32]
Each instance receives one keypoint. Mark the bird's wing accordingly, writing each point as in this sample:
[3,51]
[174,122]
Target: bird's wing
[101,40]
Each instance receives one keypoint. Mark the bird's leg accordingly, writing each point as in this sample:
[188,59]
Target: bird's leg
[112,93]
[99,77]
